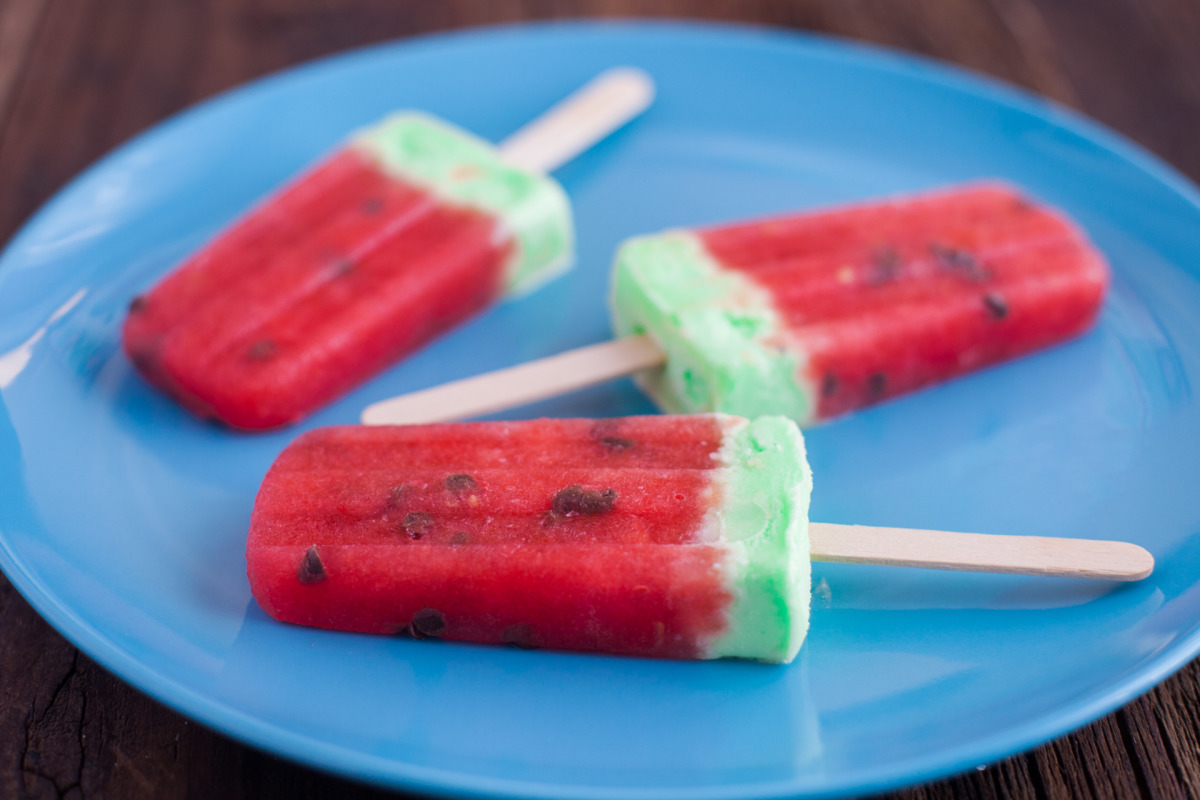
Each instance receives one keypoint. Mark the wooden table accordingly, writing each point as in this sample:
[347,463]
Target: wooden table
[78,77]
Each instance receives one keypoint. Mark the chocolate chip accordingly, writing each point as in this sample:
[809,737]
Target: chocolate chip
[427,622]
[960,261]
[885,265]
[829,385]
[574,501]
[876,385]
[951,258]
[518,635]
[137,305]
[417,524]
[460,537]
[340,267]
[995,304]
[604,427]
[606,431]
[398,493]
[311,569]
[461,483]
[261,350]
[372,205]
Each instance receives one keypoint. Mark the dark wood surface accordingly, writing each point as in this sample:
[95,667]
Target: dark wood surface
[78,77]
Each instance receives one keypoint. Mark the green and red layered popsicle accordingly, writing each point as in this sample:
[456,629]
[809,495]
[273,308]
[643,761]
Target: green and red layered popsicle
[683,537]
[822,313]
[398,236]
[817,314]
[679,537]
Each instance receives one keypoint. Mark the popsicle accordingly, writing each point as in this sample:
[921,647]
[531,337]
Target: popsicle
[667,536]
[820,313]
[399,235]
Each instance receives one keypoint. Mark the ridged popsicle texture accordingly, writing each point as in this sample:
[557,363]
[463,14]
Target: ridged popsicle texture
[821,313]
[392,240]
[681,537]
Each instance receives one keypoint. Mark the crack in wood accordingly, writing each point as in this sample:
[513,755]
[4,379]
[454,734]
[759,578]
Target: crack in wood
[40,725]
[62,684]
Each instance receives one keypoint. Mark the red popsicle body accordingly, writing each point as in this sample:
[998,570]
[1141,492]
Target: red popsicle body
[349,268]
[297,303]
[566,534]
[888,298]
[820,313]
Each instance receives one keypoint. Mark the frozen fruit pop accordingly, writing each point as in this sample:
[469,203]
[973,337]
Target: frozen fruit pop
[818,314]
[402,233]
[671,536]
[679,537]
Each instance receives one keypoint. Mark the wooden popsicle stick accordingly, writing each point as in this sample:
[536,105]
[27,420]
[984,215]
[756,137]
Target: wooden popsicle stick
[597,109]
[516,386]
[601,106]
[980,552]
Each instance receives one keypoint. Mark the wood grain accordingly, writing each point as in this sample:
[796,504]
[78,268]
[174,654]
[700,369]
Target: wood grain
[77,77]
[18,23]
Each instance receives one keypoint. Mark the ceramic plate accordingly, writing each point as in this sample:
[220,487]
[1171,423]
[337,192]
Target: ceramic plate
[124,519]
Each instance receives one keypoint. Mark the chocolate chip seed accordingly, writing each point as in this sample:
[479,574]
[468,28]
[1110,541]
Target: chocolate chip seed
[372,205]
[996,305]
[829,385]
[575,501]
[460,537]
[616,443]
[884,266]
[603,428]
[137,305]
[960,261]
[461,483]
[417,524]
[261,350]
[312,570]
[398,493]
[427,622]
[518,635]
[340,267]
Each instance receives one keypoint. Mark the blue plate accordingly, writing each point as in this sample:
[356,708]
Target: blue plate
[123,519]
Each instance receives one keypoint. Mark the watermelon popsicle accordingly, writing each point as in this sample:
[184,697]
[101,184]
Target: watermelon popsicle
[669,536]
[402,233]
[821,313]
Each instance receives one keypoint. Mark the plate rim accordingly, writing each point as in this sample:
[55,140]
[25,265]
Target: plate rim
[357,765]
